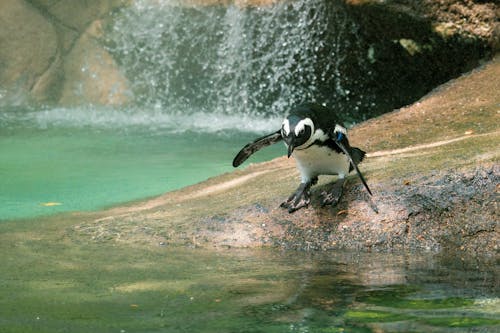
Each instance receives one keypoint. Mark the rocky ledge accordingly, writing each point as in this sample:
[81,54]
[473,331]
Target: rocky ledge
[433,168]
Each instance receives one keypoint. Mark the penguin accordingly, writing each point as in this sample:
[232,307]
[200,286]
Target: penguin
[318,142]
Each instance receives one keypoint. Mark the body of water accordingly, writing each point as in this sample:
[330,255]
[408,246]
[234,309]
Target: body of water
[57,160]
[121,288]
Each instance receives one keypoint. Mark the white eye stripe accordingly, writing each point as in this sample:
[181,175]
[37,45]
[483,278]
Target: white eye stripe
[301,126]
[286,126]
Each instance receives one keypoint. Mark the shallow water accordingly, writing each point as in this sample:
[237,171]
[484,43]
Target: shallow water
[86,159]
[103,288]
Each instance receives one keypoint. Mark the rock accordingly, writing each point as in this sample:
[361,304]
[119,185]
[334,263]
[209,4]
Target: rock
[414,46]
[435,189]
[91,73]
[37,36]
[28,51]
[78,15]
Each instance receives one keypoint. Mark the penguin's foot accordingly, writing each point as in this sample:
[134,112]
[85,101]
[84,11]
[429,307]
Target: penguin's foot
[333,196]
[300,198]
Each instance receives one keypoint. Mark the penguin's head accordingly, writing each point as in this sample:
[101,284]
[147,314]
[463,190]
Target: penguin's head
[296,132]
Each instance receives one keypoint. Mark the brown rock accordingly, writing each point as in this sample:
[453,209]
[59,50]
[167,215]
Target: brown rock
[91,73]
[28,49]
[78,15]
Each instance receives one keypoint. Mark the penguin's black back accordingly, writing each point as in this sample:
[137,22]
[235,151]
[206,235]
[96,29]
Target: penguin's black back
[321,116]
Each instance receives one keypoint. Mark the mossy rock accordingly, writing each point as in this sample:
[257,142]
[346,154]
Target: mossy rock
[432,167]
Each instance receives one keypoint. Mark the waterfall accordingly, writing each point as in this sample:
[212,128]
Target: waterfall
[253,61]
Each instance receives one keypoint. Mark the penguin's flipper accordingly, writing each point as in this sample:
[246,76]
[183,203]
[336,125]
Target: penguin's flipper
[340,138]
[256,145]
[355,166]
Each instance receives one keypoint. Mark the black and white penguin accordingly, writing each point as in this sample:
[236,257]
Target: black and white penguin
[314,137]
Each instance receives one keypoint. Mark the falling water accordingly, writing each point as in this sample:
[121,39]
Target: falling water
[244,61]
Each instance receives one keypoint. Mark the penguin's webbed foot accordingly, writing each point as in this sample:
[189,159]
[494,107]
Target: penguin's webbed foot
[333,196]
[300,198]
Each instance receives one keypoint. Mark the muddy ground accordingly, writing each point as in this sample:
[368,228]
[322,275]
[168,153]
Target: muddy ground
[433,168]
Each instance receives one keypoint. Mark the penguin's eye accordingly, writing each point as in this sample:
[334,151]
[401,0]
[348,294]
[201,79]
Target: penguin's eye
[301,132]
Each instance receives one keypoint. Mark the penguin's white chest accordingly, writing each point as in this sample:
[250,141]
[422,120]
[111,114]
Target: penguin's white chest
[320,160]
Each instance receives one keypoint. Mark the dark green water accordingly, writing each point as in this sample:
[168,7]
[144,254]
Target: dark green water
[86,159]
[103,288]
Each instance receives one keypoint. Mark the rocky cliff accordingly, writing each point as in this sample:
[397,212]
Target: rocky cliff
[50,52]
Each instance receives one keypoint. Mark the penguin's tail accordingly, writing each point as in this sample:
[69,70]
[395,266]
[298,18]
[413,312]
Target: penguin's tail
[357,155]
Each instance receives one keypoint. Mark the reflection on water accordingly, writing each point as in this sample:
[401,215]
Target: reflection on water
[175,290]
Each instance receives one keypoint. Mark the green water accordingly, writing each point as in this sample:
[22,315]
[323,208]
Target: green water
[65,287]
[59,161]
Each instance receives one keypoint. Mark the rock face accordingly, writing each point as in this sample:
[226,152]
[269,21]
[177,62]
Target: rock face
[39,60]
[28,51]
[416,45]
[92,74]
[58,56]
[433,168]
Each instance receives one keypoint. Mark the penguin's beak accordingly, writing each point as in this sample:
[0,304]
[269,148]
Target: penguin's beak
[290,144]
[291,147]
